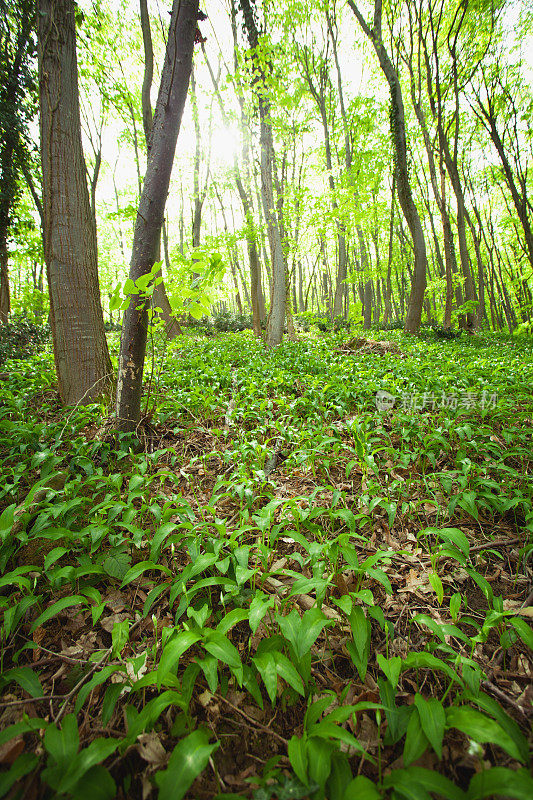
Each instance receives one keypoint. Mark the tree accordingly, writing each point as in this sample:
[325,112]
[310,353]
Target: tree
[278,301]
[403,185]
[16,85]
[80,347]
[160,298]
[166,123]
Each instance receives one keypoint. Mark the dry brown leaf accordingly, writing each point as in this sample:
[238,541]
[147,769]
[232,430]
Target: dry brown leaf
[150,749]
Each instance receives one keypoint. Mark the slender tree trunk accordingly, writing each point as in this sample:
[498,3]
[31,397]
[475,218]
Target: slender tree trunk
[278,300]
[159,297]
[80,348]
[405,196]
[175,78]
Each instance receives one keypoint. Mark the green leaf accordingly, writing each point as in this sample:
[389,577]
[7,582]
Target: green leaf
[117,565]
[435,782]
[361,788]
[433,721]
[289,673]
[391,667]
[266,666]
[481,729]
[173,651]
[57,608]
[189,758]
[416,741]
[119,636]
[523,630]
[453,535]
[501,781]
[138,569]
[26,678]
[6,518]
[258,608]
[297,751]
[62,744]
[220,646]
[96,784]
[24,764]
[436,582]
[319,759]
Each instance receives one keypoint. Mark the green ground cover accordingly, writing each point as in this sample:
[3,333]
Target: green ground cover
[286,592]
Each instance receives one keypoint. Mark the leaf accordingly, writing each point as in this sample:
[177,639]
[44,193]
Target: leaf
[6,518]
[189,758]
[436,582]
[416,741]
[266,666]
[173,651]
[57,608]
[288,672]
[258,608]
[117,565]
[453,535]
[62,744]
[361,788]
[297,752]
[523,630]
[96,784]
[24,764]
[435,782]
[319,758]
[138,569]
[26,679]
[501,781]
[433,720]
[391,667]
[481,729]
[220,646]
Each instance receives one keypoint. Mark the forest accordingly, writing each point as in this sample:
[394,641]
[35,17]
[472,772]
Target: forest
[266,358]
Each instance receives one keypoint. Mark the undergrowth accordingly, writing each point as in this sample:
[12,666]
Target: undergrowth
[292,592]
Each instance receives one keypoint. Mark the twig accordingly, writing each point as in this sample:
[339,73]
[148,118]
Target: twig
[498,543]
[93,669]
[253,721]
[505,697]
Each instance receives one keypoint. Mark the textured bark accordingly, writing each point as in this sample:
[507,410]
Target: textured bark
[405,196]
[159,298]
[278,299]
[175,78]
[15,56]
[80,348]
[5,298]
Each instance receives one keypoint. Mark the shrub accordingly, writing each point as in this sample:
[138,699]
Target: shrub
[20,338]
[226,321]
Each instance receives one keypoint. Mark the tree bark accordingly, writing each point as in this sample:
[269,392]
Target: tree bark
[175,78]
[80,348]
[405,195]
[159,297]
[278,299]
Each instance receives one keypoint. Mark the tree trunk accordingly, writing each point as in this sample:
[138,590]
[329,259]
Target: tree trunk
[159,297]
[80,348]
[405,196]
[278,299]
[175,78]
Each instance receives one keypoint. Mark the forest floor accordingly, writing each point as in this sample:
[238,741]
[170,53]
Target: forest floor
[313,580]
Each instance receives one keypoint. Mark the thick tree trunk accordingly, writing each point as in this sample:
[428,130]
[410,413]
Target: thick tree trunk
[405,196]
[80,348]
[175,78]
